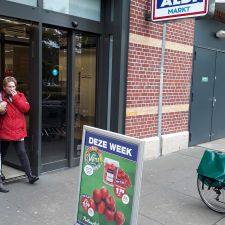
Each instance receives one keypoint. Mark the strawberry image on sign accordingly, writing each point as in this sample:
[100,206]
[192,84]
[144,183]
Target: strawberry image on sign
[104,192]
[109,215]
[119,218]
[101,207]
[97,196]
[122,181]
[102,203]
[110,203]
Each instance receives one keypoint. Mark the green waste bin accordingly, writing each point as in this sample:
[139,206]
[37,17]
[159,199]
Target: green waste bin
[212,166]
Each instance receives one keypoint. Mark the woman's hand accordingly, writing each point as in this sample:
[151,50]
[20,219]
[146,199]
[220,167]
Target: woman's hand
[13,92]
[3,107]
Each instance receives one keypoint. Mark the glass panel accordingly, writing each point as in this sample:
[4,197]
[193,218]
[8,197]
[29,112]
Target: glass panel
[26,2]
[110,81]
[15,61]
[54,84]
[17,65]
[112,10]
[89,9]
[85,85]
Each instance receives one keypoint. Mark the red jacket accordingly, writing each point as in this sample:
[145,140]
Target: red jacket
[13,123]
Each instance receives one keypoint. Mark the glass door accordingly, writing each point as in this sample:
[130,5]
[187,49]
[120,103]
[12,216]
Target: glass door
[54,96]
[17,65]
[15,61]
[85,85]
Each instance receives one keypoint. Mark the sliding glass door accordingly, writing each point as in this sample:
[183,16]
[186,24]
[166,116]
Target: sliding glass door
[56,89]
[15,61]
[54,95]
[85,85]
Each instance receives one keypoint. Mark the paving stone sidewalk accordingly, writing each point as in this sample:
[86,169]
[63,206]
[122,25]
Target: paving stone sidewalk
[168,195]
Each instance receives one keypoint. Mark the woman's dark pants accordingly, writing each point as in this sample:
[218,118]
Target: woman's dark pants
[21,153]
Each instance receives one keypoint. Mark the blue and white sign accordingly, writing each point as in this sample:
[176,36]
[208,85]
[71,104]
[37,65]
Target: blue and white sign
[178,9]
[110,145]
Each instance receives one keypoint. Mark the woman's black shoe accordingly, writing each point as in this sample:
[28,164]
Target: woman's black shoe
[33,179]
[3,177]
[3,189]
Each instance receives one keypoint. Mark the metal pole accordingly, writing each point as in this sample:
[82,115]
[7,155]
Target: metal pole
[161,89]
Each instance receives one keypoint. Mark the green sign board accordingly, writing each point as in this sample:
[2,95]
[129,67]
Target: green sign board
[110,178]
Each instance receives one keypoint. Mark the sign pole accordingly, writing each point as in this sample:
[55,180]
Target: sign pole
[161,88]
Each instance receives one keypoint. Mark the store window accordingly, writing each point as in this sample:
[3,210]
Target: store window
[54,95]
[15,61]
[17,65]
[85,85]
[25,2]
[89,9]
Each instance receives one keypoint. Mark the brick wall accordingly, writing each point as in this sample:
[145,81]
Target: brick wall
[144,60]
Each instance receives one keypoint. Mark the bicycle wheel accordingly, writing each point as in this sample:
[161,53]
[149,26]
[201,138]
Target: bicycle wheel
[213,197]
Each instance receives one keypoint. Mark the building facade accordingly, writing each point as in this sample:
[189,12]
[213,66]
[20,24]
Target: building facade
[193,95]
[145,51]
[70,59]
[98,63]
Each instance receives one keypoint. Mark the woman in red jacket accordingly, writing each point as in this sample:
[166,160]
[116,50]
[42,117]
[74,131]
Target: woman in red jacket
[13,125]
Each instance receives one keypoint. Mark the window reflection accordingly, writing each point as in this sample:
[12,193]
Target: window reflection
[85,85]
[26,2]
[89,9]
[54,79]
[17,65]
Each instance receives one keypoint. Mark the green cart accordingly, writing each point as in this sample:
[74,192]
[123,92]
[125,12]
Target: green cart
[211,180]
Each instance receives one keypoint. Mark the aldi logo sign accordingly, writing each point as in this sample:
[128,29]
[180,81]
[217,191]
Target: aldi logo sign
[178,9]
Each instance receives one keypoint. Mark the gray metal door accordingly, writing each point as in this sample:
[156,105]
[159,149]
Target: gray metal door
[202,95]
[218,118]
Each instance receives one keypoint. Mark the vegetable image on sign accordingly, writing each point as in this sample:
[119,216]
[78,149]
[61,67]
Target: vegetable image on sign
[105,205]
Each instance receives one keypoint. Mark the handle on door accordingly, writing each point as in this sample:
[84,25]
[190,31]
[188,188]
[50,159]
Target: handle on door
[214,101]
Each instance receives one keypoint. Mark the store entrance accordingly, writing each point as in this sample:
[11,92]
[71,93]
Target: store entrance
[56,89]
[67,90]
[15,61]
